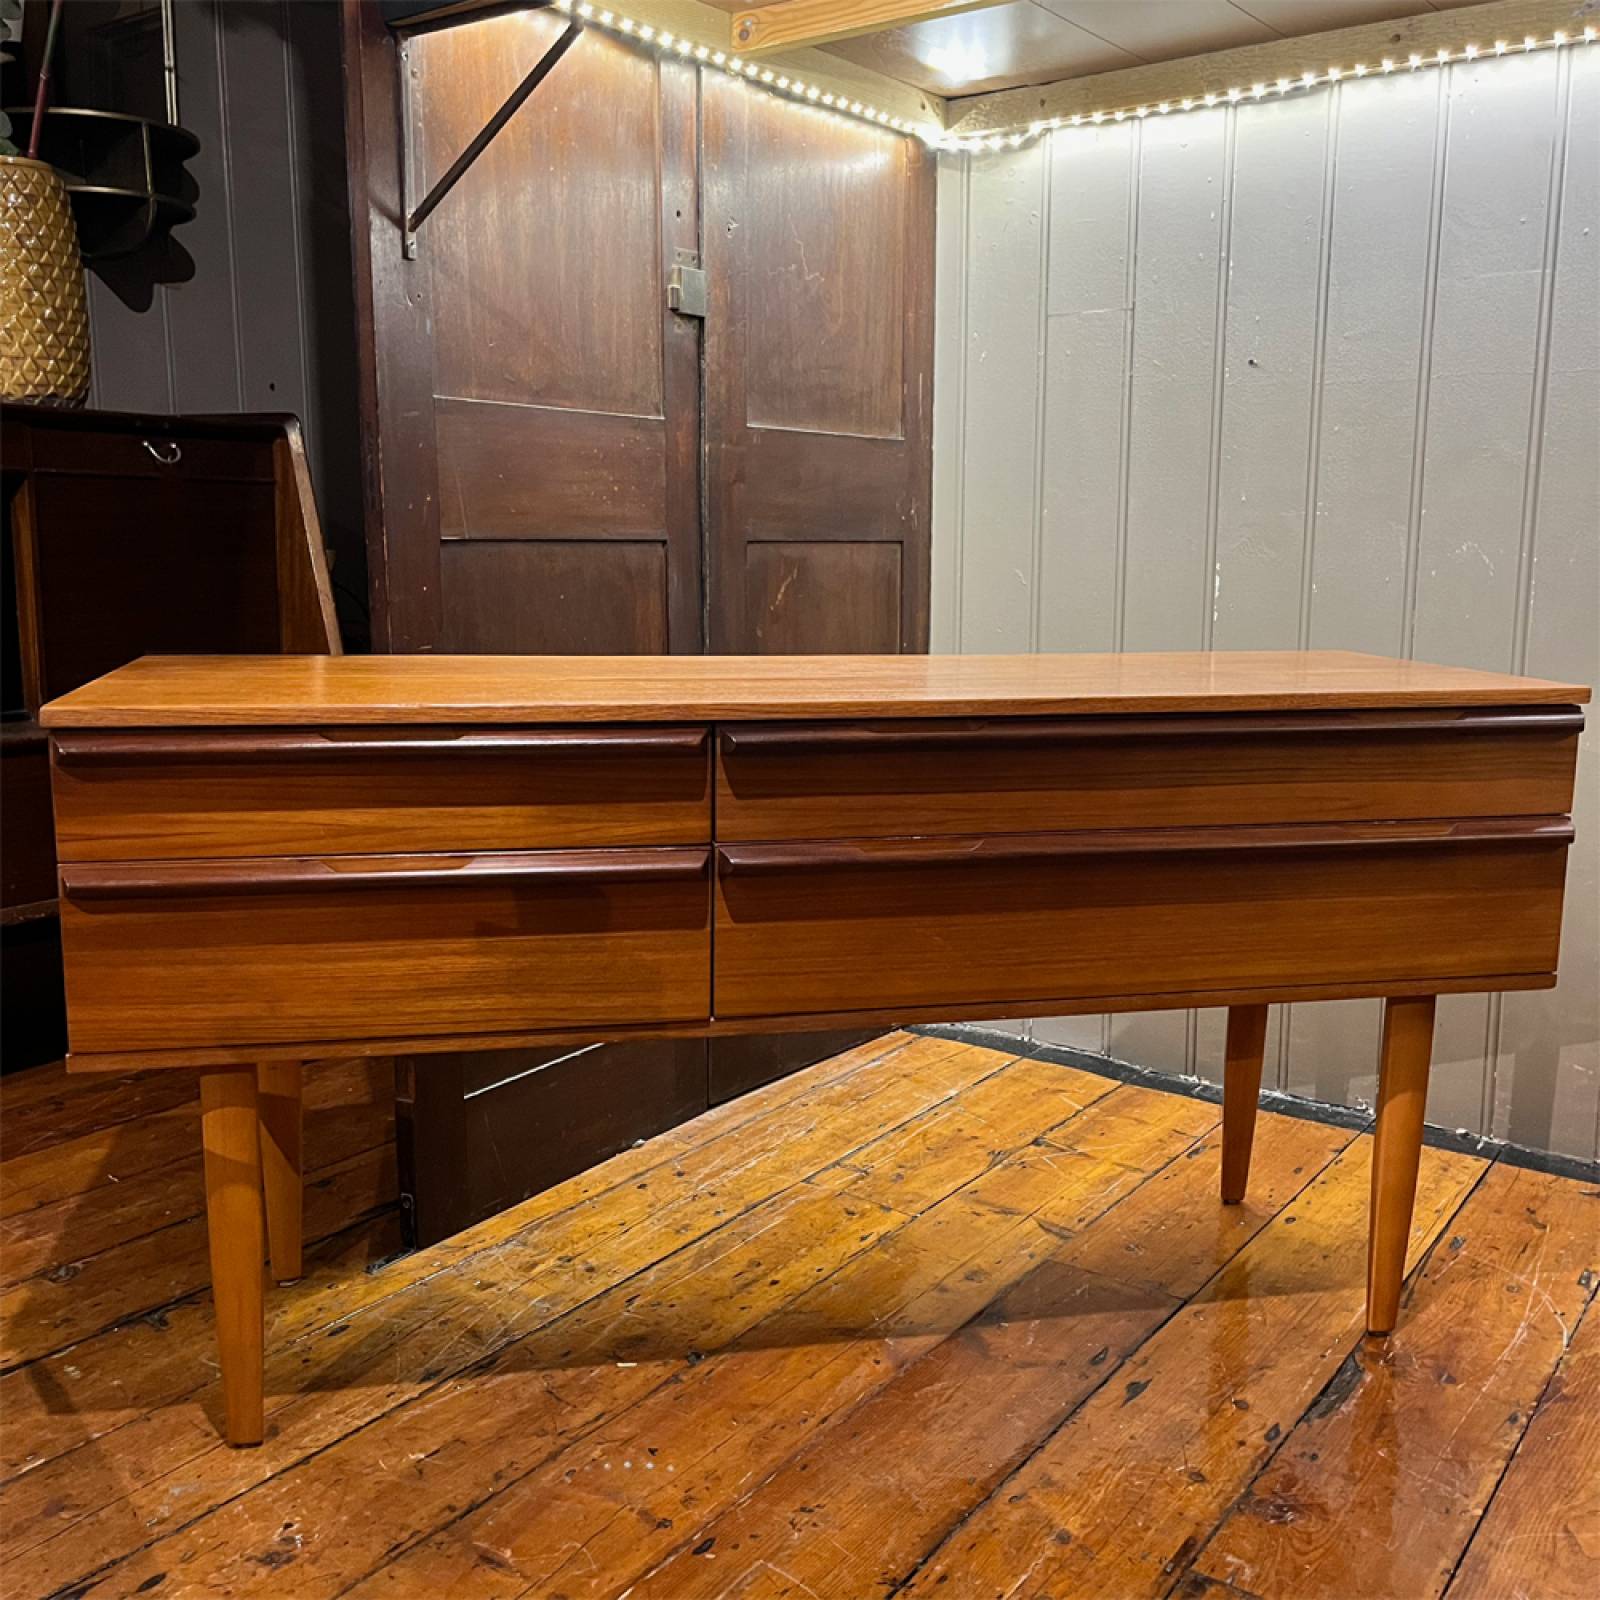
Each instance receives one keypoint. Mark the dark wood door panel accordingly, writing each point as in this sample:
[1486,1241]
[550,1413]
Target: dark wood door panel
[545,261]
[556,598]
[819,249]
[808,597]
[536,472]
[564,392]
[482,1130]
[825,247]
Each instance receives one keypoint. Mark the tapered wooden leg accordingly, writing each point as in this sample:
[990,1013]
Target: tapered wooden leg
[234,1221]
[278,1085]
[1396,1150]
[1241,1088]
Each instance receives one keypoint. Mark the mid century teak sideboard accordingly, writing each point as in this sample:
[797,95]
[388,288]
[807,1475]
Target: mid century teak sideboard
[265,859]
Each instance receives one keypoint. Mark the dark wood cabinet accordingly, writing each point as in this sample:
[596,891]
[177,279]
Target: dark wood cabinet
[560,463]
[128,535]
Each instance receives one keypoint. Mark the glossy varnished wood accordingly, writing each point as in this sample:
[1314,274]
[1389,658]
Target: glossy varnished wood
[234,1215]
[807,926]
[214,691]
[1397,1144]
[297,948]
[1056,1330]
[1241,1090]
[280,1108]
[258,793]
[826,780]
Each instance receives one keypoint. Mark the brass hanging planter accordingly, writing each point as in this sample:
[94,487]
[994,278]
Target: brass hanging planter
[44,313]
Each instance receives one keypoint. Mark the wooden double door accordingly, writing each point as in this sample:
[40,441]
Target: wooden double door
[561,462]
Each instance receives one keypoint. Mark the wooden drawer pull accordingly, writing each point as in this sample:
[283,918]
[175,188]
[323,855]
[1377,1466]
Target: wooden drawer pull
[546,868]
[742,859]
[118,749]
[781,739]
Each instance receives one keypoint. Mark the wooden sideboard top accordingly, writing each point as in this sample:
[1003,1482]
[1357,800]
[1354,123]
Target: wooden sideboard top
[230,691]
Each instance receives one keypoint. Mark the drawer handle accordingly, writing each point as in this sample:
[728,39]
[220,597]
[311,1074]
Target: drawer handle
[784,739]
[169,453]
[124,749]
[546,869]
[742,860]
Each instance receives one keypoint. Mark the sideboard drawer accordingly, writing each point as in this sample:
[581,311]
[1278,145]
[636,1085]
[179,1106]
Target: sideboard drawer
[905,923]
[865,780]
[240,792]
[200,953]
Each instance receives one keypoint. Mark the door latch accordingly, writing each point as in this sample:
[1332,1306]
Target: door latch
[686,285]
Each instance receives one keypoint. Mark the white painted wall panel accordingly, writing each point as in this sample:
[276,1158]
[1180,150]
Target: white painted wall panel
[1547,1066]
[1003,367]
[1178,282]
[1272,350]
[1316,372]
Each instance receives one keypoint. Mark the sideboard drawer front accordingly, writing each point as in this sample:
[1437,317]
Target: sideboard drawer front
[830,781]
[233,953]
[237,792]
[884,924]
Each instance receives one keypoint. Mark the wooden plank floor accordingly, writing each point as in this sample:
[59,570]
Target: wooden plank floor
[925,1319]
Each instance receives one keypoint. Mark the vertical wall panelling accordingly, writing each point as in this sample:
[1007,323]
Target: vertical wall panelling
[1320,372]
[1175,411]
[1389,136]
[1491,262]
[1001,370]
[264,320]
[1547,1065]
[949,398]
[262,214]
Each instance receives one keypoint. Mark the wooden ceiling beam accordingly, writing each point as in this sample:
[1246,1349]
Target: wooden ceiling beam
[1007,110]
[795,24]
[704,24]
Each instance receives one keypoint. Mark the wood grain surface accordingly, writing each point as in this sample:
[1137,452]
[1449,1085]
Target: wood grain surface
[132,797]
[820,780]
[806,927]
[721,1365]
[224,691]
[279,950]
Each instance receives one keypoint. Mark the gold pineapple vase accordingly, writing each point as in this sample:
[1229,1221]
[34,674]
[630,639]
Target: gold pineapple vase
[44,313]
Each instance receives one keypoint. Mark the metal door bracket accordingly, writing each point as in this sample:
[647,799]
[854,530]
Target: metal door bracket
[417,215]
[686,285]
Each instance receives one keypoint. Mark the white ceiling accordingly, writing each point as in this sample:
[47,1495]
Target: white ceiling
[1039,41]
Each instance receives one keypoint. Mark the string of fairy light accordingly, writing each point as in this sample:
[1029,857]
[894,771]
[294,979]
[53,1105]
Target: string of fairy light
[783,82]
